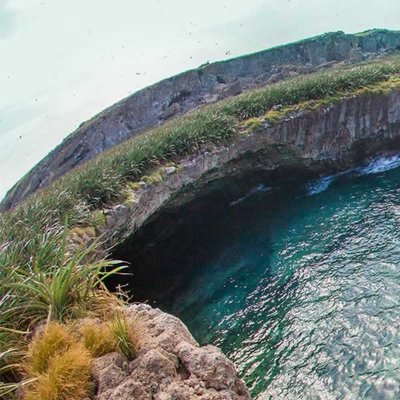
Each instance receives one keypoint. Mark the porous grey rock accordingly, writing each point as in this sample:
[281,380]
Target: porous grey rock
[108,371]
[232,89]
[169,365]
[208,364]
[277,77]
[171,110]
[186,91]
[128,389]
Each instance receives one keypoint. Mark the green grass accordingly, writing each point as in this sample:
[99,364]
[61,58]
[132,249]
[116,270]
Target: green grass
[310,87]
[43,278]
[126,339]
[100,180]
[58,291]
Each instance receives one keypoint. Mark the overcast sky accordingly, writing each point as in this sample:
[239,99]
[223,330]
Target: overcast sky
[61,61]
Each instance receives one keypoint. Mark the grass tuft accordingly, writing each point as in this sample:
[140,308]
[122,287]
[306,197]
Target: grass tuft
[133,185]
[126,339]
[97,219]
[58,366]
[67,377]
[155,177]
[55,340]
[62,289]
[251,125]
[97,338]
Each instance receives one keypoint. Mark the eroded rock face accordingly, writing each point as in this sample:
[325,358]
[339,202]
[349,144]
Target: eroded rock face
[170,365]
[333,138]
[184,92]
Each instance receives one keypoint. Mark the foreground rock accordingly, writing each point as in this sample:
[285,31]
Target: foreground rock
[169,365]
[206,84]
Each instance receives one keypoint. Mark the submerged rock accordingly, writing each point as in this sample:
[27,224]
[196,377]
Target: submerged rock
[170,365]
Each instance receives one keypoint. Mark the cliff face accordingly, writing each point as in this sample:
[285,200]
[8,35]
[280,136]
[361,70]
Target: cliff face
[184,92]
[332,138]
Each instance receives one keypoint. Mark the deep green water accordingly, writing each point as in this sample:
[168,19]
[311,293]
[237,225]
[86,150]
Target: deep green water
[302,287]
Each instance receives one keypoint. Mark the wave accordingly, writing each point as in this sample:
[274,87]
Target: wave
[376,166]
[257,189]
[319,185]
[380,164]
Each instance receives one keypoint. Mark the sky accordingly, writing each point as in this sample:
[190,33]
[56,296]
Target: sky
[62,61]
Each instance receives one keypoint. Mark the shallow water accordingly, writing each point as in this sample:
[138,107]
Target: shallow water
[301,288]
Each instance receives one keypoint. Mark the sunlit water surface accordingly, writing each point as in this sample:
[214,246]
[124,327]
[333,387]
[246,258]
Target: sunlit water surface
[304,293]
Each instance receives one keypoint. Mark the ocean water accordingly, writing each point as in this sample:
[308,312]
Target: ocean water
[300,287]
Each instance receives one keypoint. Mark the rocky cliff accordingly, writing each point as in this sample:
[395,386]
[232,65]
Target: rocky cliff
[169,365]
[184,92]
[334,137]
[328,139]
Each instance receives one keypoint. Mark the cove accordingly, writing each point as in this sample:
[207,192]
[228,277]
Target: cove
[298,283]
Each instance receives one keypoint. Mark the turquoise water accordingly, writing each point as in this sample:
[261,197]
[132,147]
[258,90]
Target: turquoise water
[302,287]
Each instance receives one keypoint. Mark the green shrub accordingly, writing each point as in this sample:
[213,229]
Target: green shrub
[58,290]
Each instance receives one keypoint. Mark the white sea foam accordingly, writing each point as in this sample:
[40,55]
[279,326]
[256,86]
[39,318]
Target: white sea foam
[376,166]
[319,185]
[380,164]
[322,184]
[257,189]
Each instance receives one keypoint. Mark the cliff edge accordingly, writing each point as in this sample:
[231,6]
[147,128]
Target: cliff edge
[179,94]
[169,365]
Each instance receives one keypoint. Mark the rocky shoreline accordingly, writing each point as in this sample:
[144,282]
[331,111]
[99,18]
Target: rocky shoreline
[170,365]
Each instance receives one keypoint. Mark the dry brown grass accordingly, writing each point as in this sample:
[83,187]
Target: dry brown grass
[54,340]
[97,338]
[58,364]
[67,377]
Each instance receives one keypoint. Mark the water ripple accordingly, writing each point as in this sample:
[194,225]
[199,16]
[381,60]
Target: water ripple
[307,300]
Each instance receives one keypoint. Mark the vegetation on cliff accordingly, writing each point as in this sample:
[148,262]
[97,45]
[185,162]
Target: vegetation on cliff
[58,361]
[44,278]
